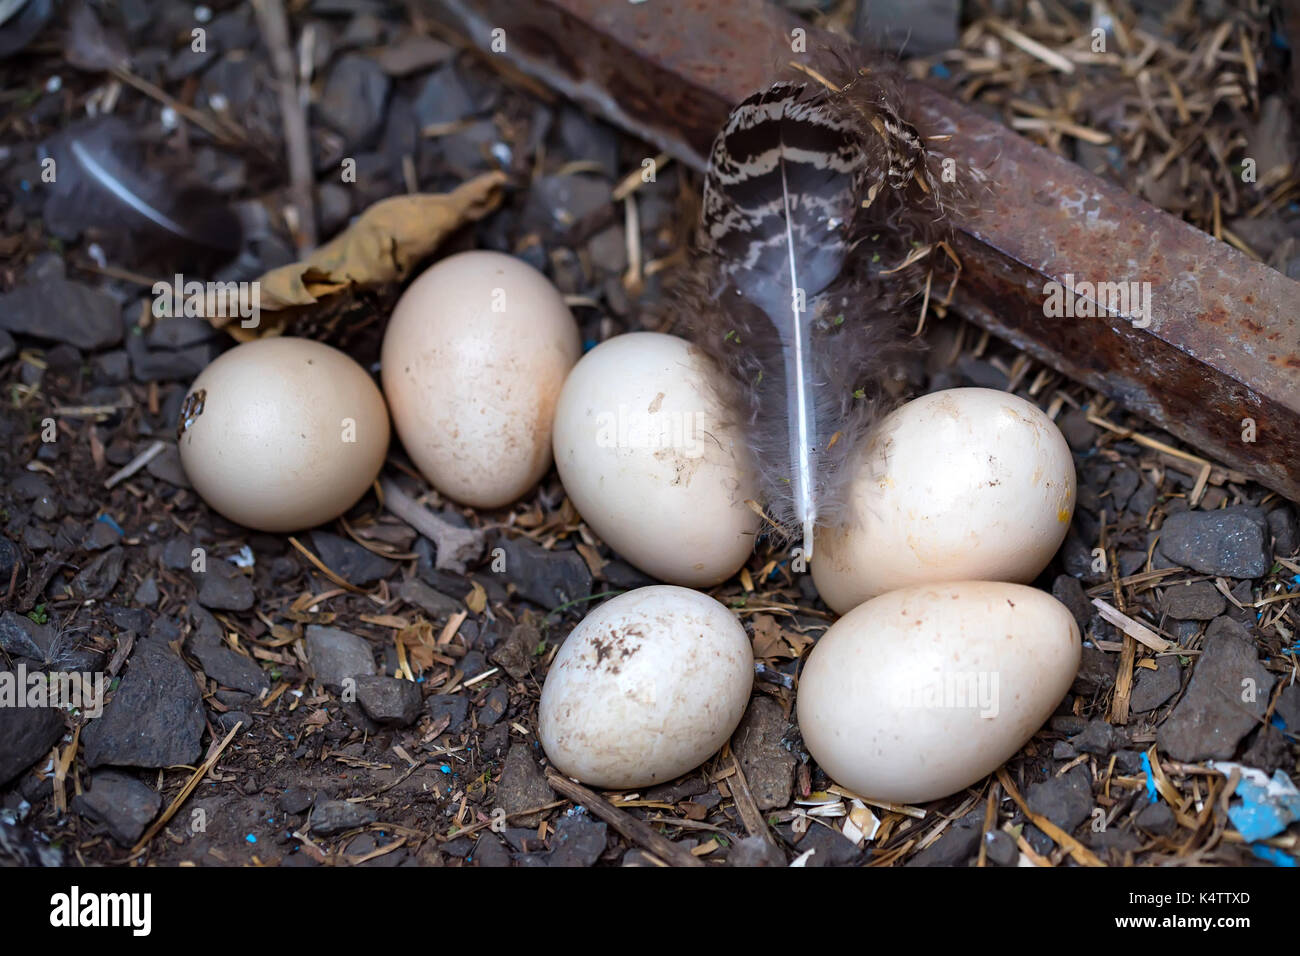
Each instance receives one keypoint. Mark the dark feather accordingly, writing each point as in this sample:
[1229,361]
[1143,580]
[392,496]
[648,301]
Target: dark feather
[144,215]
[823,190]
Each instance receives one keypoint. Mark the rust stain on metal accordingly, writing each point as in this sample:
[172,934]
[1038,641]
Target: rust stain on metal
[1222,342]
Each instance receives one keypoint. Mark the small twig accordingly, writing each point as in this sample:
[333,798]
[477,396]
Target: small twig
[453,546]
[135,464]
[213,755]
[632,828]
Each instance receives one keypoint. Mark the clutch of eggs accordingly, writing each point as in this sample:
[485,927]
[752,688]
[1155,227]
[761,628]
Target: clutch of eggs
[920,692]
[646,456]
[472,363]
[282,434]
[960,484]
[648,686]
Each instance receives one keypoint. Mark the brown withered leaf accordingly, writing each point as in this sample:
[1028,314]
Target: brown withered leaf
[380,248]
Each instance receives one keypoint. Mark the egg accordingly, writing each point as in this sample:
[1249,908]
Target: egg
[282,434]
[473,360]
[961,484]
[648,686]
[920,692]
[649,460]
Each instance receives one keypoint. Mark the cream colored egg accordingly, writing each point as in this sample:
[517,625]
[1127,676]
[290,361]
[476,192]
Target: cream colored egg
[473,360]
[646,457]
[962,484]
[923,691]
[283,434]
[647,687]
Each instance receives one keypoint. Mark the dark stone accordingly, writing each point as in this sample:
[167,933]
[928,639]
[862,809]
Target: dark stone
[1151,688]
[515,653]
[389,700]
[8,349]
[20,636]
[494,706]
[831,848]
[1212,715]
[335,816]
[231,719]
[10,558]
[1157,818]
[755,851]
[296,800]
[220,662]
[1268,750]
[1069,592]
[443,98]
[354,98]
[178,554]
[1128,762]
[1199,601]
[349,560]
[1065,800]
[1283,527]
[337,655]
[434,603]
[1099,738]
[1230,542]
[578,841]
[453,706]
[179,332]
[147,593]
[26,733]
[166,466]
[1288,709]
[767,764]
[154,719]
[547,578]
[956,845]
[489,851]
[621,576]
[523,786]
[1112,841]
[1062,750]
[60,310]
[1000,849]
[1097,671]
[96,580]
[223,587]
[121,803]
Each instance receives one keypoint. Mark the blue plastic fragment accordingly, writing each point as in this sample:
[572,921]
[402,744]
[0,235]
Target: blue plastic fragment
[445,769]
[1152,793]
[251,838]
[941,71]
[1265,810]
[108,520]
[1273,855]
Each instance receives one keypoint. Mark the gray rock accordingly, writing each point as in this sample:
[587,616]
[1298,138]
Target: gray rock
[1065,800]
[578,841]
[1232,541]
[515,654]
[1157,818]
[1225,698]
[444,98]
[434,603]
[354,99]
[153,719]
[1268,750]
[453,706]
[8,349]
[20,636]
[767,764]
[1069,592]
[1001,850]
[389,700]
[96,580]
[1097,671]
[166,466]
[523,786]
[494,706]
[547,578]
[26,733]
[60,310]
[349,560]
[147,593]
[225,666]
[490,851]
[755,851]
[1288,708]
[329,817]
[955,845]
[336,655]
[101,536]
[1199,601]
[1283,527]
[179,332]
[222,586]
[831,848]
[1151,688]
[119,802]
[1099,738]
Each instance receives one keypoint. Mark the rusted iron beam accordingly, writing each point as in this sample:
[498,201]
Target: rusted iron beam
[1215,362]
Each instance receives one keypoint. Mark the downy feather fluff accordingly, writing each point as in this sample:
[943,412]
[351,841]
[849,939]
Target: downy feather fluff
[814,197]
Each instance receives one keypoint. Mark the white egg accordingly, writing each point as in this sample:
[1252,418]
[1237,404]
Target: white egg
[650,462]
[962,484]
[647,687]
[282,434]
[923,691]
[473,360]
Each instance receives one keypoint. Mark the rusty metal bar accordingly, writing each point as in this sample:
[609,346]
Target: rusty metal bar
[1223,340]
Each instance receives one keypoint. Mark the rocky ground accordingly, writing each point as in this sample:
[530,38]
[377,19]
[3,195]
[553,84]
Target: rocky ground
[228,736]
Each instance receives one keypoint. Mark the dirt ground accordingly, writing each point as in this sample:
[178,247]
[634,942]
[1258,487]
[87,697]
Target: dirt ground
[217,640]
